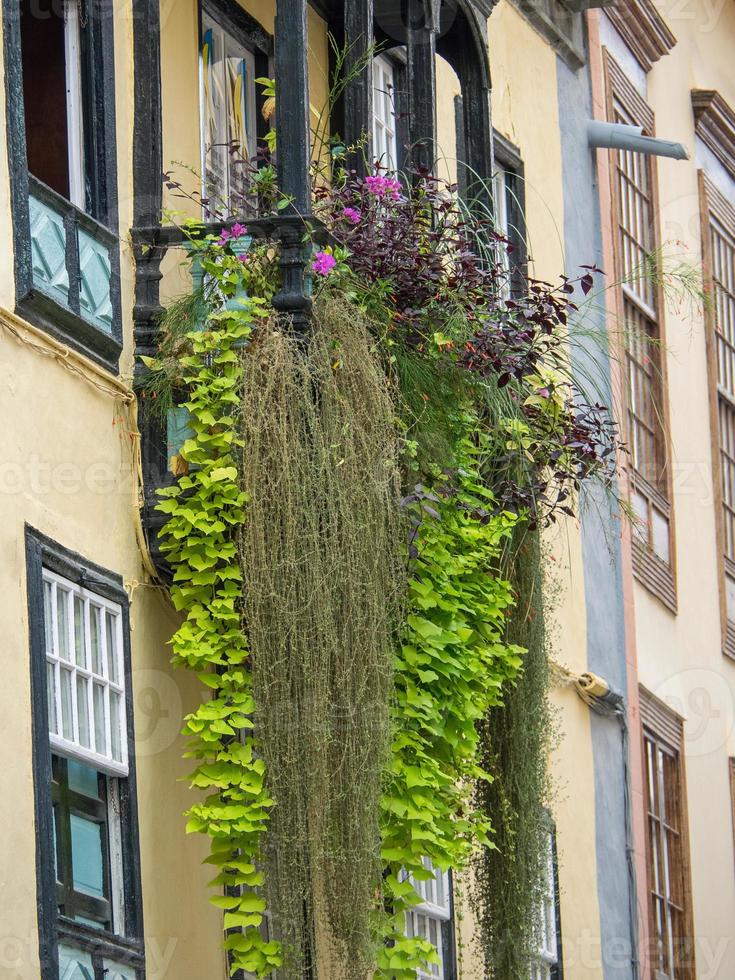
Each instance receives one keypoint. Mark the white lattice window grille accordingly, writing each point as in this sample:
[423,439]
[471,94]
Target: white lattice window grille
[502,226]
[228,128]
[74,104]
[384,114]
[547,956]
[428,919]
[85,675]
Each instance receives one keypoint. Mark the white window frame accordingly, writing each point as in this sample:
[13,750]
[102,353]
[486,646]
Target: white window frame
[500,208]
[385,150]
[436,905]
[110,685]
[547,952]
[226,42]
[74,104]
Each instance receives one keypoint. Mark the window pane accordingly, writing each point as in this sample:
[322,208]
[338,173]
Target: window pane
[112,651]
[53,720]
[87,856]
[660,535]
[95,631]
[115,720]
[213,115]
[100,728]
[92,923]
[48,617]
[56,846]
[88,634]
[74,964]
[118,971]
[62,621]
[83,712]
[67,724]
[79,651]
[83,779]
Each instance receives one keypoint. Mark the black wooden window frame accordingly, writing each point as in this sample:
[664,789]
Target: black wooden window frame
[508,156]
[66,803]
[67,323]
[53,927]
[246,30]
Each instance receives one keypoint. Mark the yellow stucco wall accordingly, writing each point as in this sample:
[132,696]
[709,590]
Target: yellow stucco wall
[680,657]
[524,110]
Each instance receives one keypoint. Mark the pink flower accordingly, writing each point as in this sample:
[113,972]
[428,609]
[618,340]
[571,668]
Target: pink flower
[224,237]
[323,263]
[383,186]
[352,215]
[238,230]
[242,258]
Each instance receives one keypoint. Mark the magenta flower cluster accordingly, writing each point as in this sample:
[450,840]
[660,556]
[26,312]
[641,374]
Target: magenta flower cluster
[323,263]
[352,215]
[237,231]
[387,187]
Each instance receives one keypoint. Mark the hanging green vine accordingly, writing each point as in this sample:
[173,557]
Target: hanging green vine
[508,879]
[451,668]
[205,509]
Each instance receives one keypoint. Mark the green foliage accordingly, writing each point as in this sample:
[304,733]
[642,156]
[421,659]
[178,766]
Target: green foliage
[516,739]
[205,509]
[451,667]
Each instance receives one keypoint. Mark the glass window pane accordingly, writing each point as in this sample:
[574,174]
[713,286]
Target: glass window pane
[115,722]
[83,712]
[660,535]
[62,621]
[83,779]
[67,724]
[95,631]
[92,923]
[100,728]
[74,964]
[118,971]
[53,720]
[112,651]
[48,617]
[56,850]
[79,645]
[87,856]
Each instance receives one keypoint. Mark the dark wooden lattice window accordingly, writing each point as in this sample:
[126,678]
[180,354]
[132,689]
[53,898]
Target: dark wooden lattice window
[718,234]
[641,309]
[671,945]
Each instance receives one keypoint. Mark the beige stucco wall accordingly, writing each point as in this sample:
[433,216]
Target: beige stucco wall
[679,657]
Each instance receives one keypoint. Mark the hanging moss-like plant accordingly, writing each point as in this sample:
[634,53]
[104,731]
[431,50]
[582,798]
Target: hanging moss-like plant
[516,739]
[321,555]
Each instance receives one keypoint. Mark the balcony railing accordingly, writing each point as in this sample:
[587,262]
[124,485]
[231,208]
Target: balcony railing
[163,438]
[72,276]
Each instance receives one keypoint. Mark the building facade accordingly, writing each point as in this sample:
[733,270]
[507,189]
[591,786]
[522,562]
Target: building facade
[98,876]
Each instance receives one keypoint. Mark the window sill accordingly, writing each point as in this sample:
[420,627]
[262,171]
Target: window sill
[655,575]
[125,950]
[70,328]
[68,276]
